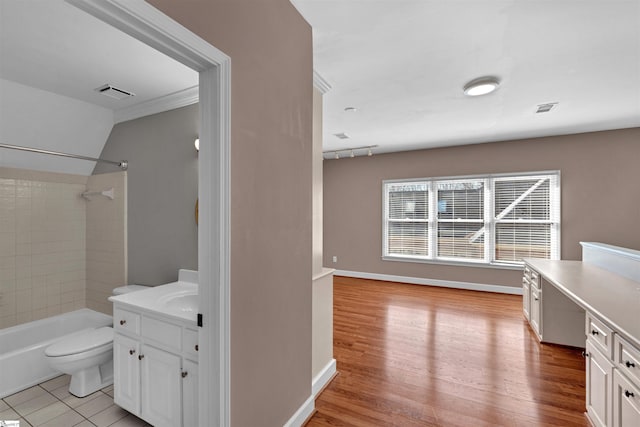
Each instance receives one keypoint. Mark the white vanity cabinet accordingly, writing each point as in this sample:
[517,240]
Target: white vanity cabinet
[155,367]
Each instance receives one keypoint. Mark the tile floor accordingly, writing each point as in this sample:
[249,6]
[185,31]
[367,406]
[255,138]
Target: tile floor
[51,405]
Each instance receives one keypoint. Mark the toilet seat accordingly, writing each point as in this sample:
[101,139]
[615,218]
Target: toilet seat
[94,339]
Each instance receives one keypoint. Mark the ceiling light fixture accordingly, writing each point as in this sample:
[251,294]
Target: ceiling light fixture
[481,86]
[197,144]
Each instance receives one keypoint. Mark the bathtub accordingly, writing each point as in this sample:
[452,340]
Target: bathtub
[22,359]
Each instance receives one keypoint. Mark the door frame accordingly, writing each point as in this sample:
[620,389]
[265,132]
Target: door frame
[152,27]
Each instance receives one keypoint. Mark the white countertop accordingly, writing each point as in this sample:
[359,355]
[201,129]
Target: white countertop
[153,300]
[609,296]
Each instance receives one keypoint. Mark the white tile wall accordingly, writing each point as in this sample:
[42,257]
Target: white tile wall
[59,252]
[42,245]
[106,240]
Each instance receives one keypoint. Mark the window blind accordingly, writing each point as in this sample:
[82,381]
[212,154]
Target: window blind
[523,218]
[487,219]
[460,218]
[408,218]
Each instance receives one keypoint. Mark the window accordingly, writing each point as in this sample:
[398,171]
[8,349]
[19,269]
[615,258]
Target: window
[493,219]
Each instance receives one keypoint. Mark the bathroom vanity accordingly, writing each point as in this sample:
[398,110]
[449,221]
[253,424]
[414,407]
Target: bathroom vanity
[155,353]
[593,303]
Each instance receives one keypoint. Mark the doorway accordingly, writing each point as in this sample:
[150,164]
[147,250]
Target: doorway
[150,26]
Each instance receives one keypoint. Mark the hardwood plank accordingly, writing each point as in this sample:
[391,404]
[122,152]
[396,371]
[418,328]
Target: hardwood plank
[411,355]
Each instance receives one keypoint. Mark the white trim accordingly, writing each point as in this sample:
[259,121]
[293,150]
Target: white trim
[432,282]
[302,414]
[450,261]
[325,272]
[147,24]
[320,83]
[158,105]
[321,380]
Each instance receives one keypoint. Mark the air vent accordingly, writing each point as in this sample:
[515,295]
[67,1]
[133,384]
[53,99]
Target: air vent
[114,92]
[545,108]
[341,135]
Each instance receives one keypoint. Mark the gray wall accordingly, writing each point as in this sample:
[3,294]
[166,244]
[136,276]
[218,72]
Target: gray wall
[270,47]
[162,192]
[599,191]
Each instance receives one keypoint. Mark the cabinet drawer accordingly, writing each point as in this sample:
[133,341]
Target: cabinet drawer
[627,359]
[190,343]
[534,281]
[124,320]
[626,402]
[600,334]
[167,334]
[527,272]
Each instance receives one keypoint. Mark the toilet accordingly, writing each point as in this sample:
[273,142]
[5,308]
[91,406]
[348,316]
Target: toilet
[87,355]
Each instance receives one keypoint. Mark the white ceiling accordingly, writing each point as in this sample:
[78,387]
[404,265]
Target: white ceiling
[54,46]
[403,65]
[49,49]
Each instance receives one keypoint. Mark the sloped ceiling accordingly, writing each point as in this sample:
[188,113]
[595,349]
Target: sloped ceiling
[52,58]
[403,65]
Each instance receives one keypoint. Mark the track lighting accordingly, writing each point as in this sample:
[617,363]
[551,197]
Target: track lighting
[352,151]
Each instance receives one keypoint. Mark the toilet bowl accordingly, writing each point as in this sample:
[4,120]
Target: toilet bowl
[87,355]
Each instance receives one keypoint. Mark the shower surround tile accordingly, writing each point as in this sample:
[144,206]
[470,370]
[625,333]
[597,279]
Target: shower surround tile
[42,237]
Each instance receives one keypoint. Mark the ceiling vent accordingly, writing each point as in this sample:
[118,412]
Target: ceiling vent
[341,135]
[545,108]
[114,92]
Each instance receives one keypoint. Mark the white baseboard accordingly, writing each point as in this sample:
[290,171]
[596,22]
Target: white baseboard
[432,282]
[323,378]
[302,414]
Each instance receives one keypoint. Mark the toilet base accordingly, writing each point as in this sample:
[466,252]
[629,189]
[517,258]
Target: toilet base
[90,380]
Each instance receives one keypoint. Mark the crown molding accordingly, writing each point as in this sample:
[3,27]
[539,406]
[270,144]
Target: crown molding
[158,105]
[320,83]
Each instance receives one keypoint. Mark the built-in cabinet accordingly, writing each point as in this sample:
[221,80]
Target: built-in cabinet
[610,329]
[155,368]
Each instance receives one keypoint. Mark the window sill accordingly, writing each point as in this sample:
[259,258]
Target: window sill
[500,266]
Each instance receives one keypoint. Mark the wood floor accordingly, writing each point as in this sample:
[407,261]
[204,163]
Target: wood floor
[410,355]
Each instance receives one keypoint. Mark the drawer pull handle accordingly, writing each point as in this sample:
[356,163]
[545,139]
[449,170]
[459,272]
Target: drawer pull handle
[122,322]
[184,374]
[141,356]
[628,393]
[594,332]
[630,364]
[585,354]
[197,349]
[131,352]
[536,298]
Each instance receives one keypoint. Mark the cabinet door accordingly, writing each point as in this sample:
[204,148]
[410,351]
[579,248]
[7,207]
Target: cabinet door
[189,393]
[526,299]
[626,402]
[161,388]
[598,386]
[536,311]
[126,373]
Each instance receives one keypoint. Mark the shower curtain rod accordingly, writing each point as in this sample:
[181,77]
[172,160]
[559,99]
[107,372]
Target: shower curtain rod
[122,164]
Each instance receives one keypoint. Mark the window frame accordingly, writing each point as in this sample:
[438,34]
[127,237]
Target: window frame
[489,219]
